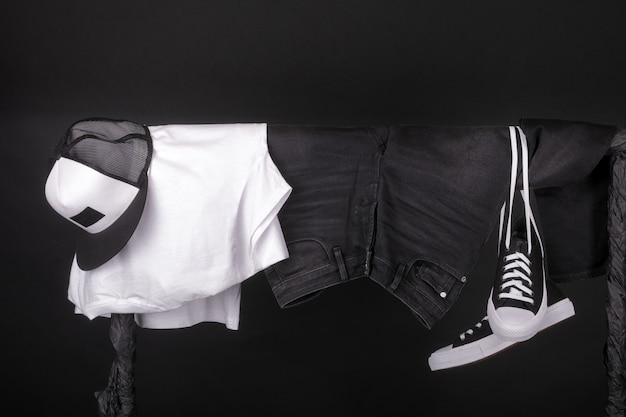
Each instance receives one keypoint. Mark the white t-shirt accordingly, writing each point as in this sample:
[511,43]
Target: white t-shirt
[210,222]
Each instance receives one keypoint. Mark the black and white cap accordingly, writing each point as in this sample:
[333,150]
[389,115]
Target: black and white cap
[99,182]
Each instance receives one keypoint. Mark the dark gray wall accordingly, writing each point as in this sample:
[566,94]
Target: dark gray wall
[354,350]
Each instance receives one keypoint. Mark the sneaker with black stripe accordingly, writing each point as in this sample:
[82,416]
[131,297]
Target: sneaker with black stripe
[518,298]
[480,342]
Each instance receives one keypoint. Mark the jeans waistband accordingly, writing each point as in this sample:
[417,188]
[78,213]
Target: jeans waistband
[424,287]
[291,290]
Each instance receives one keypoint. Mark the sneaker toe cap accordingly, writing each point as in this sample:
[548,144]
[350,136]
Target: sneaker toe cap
[514,316]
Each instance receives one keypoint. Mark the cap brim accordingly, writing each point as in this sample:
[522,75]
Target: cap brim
[94,249]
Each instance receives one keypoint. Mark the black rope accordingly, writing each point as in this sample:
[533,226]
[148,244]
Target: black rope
[616,284]
[118,398]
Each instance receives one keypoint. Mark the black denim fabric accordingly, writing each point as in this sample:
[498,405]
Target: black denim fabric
[409,207]
[570,171]
[329,219]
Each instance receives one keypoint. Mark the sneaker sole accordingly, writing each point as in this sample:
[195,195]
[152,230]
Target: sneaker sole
[448,357]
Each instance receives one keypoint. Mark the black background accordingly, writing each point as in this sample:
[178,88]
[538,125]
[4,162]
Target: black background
[355,350]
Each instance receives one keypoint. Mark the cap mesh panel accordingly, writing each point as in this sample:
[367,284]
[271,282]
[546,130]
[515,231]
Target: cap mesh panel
[120,149]
[124,160]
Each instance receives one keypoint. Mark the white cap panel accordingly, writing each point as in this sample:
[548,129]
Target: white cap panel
[72,187]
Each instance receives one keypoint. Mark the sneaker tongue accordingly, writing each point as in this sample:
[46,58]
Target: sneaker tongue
[518,244]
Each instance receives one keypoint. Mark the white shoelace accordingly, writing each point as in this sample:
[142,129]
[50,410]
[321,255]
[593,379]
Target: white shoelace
[470,332]
[513,133]
[516,281]
[516,278]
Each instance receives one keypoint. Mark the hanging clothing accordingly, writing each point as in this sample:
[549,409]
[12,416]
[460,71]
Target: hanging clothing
[208,224]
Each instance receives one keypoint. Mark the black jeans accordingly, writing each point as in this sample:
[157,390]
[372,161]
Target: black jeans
[409,207]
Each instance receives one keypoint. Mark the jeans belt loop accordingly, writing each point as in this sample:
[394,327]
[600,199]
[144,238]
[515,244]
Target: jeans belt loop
[398,277]
[343,273]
